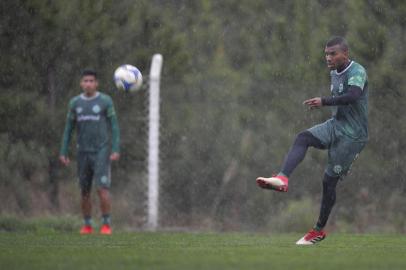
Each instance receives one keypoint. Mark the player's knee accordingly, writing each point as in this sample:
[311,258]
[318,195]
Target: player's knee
[103,192]
[302,138]
[330,181]
[85,192]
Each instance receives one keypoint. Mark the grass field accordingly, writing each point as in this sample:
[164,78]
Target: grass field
[142,250]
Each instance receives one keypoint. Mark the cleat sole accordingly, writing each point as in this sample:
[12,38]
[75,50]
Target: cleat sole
[265,185]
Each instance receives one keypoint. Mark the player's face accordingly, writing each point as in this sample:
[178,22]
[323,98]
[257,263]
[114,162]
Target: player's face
[336,58]
[89,84]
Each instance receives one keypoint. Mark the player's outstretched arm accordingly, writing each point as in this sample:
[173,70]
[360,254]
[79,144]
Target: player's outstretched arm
[114,156]
[353,94]
[313,103]
[64,160]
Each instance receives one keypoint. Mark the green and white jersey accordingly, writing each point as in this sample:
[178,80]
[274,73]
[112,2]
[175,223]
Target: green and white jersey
[93,118]
[351,120]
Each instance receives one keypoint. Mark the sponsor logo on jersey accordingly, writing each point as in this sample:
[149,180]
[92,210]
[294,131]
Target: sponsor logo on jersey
[96,108]
[88,118]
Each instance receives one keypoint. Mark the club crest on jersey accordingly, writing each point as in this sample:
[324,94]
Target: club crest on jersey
[96,108]
[79,109]
[337,169]
[341,88]
[104,179]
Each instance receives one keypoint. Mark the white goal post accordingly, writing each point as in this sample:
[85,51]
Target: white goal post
[153,142]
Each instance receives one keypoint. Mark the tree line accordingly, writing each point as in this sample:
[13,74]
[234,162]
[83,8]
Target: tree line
[234,77]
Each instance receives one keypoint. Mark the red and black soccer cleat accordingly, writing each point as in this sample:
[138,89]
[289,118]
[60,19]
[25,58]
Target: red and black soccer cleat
[105,229]
[86,229]
[277,182]
[311,238]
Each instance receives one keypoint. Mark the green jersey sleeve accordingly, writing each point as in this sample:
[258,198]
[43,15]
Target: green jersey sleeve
[69,126]
[357,77]
[115,131]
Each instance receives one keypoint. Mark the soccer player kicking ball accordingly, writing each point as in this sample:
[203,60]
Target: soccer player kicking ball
[93,114]
[344,135]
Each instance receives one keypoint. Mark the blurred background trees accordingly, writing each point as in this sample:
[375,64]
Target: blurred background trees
[234,77]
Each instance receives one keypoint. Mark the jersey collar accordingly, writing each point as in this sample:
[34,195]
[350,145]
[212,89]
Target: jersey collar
[90,98]
[339,73]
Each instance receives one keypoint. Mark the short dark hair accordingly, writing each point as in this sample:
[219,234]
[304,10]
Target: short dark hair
[88,72]
[337,40]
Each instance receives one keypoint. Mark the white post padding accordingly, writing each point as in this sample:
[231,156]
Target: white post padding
[153,142]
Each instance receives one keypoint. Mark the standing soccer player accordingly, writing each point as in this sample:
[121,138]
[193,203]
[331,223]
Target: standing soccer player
[93,115]
[344,135]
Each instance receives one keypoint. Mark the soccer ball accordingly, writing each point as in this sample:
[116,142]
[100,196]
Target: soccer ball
[127,78]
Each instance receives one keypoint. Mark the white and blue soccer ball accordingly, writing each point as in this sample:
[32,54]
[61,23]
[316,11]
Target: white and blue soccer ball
[127,78]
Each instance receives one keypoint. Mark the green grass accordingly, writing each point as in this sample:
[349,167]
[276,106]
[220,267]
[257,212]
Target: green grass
[124,250]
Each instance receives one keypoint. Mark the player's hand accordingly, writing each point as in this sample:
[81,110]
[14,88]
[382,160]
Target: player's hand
[64,160]
[114,156]
[313,103]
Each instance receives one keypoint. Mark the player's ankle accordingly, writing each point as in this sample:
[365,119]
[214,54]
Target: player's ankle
[282,174]
[317,228]
[87,220]
[106,219]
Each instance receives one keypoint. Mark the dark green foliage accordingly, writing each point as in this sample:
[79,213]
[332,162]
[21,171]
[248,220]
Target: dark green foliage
[234,78]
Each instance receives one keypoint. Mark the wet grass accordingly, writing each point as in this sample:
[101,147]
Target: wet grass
[142,250]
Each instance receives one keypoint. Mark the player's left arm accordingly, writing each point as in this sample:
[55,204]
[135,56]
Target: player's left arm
[356,84]
[353,94]
[115,131]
